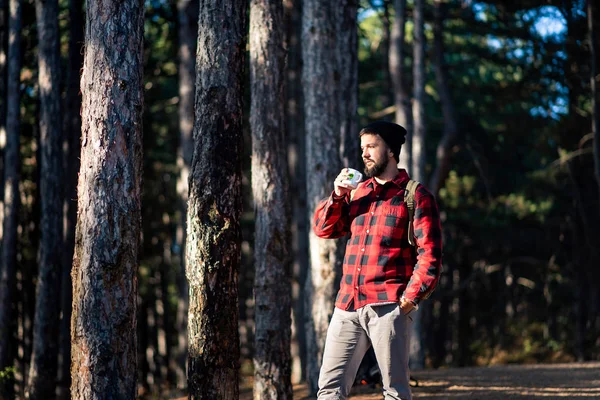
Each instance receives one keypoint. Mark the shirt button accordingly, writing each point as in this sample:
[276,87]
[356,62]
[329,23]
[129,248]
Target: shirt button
[363,249]
[367,231]
[358,269]
[356,287]
[372,213]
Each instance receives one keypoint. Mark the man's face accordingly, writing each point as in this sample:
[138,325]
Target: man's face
[375,154]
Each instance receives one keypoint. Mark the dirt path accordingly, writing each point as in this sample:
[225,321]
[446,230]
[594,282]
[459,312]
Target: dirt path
[544,381]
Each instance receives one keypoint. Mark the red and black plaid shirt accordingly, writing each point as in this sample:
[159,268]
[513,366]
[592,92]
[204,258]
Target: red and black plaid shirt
[380,266]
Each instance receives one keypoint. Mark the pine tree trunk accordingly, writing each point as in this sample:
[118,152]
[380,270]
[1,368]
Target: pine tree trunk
[104,364]
[44,359]
[347,70]
[450,129]
[417,354]
[11,182]
[322,166]
[72,135]
[399,81]
[272,363]
[213,247]
[296,163]
[187,14]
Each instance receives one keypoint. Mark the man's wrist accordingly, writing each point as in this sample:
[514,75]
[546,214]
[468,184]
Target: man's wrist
[414,303]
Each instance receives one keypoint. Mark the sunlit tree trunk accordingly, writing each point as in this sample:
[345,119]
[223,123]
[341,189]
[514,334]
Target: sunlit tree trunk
[417,355]
[322,166]
[44,359]
[444,148]
[187,14]
[213,246]
[103,324]
[296,150]
[399,81]
[72,135]
[11,182]
[272,297]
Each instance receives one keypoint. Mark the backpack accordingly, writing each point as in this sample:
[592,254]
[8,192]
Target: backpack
[409,200]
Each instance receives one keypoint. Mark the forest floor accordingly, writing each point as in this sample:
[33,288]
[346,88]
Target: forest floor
[539,381]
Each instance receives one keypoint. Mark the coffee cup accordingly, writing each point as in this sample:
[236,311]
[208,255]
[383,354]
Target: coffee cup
[354,177]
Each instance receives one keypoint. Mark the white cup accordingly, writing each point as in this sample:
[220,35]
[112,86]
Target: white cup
[354,177]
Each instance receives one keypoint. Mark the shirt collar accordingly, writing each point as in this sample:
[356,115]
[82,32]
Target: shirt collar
[400,180]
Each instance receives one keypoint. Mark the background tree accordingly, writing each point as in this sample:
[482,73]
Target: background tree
[71,140]
[109,201]
[214,206]
[272,297]
[398,75]
[322,166]
[8,267]
[187,15]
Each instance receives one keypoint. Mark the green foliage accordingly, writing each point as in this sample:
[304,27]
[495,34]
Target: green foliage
[7,383]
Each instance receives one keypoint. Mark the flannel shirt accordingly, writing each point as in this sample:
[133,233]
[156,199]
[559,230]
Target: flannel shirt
[380,266]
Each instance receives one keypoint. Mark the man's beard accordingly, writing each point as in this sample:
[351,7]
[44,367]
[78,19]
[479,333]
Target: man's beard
[376,169]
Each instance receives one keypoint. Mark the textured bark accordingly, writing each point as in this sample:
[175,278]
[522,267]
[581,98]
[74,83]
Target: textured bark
[272,297]
[322,166]
[297,166]
[399,81]
[44,359]
[213,247]
[72,136]
[417,355]
[187,14]
[103,324]
[444,148]
[347,71]
[11,182]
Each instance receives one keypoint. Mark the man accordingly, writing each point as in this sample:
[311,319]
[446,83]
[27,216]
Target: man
[384,277]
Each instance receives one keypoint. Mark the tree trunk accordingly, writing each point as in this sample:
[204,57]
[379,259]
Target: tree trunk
[591,14]
[213,247]
[297,184]
[72,136]
[44,359]
[8,266]
[322,166]
[103,326]
[347,70]
[444,148]
[398,76]
[417,354]
[272,363]
[187,12]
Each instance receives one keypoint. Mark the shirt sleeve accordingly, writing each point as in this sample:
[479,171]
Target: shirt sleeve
[428,235]
[331,218]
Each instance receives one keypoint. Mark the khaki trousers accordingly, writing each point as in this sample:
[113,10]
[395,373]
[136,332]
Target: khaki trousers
[349,336]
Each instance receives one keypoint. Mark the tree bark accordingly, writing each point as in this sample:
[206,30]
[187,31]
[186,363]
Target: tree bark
[272,361]
[187,14]
[11,181]
[417,354]
[103,325]
[44,359]
[72,137]
[297,184]
[322,166]
[444,148]
[347,70]
[399,81]
[213,247]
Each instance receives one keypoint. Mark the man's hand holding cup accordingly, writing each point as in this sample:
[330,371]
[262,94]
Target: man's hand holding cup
[346,181]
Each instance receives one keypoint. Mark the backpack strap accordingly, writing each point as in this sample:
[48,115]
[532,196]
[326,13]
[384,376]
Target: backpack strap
[409,200]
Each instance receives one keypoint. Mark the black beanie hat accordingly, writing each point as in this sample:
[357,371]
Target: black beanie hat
[393,134]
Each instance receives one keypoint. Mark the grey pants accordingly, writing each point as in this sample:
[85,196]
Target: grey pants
[349,336]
